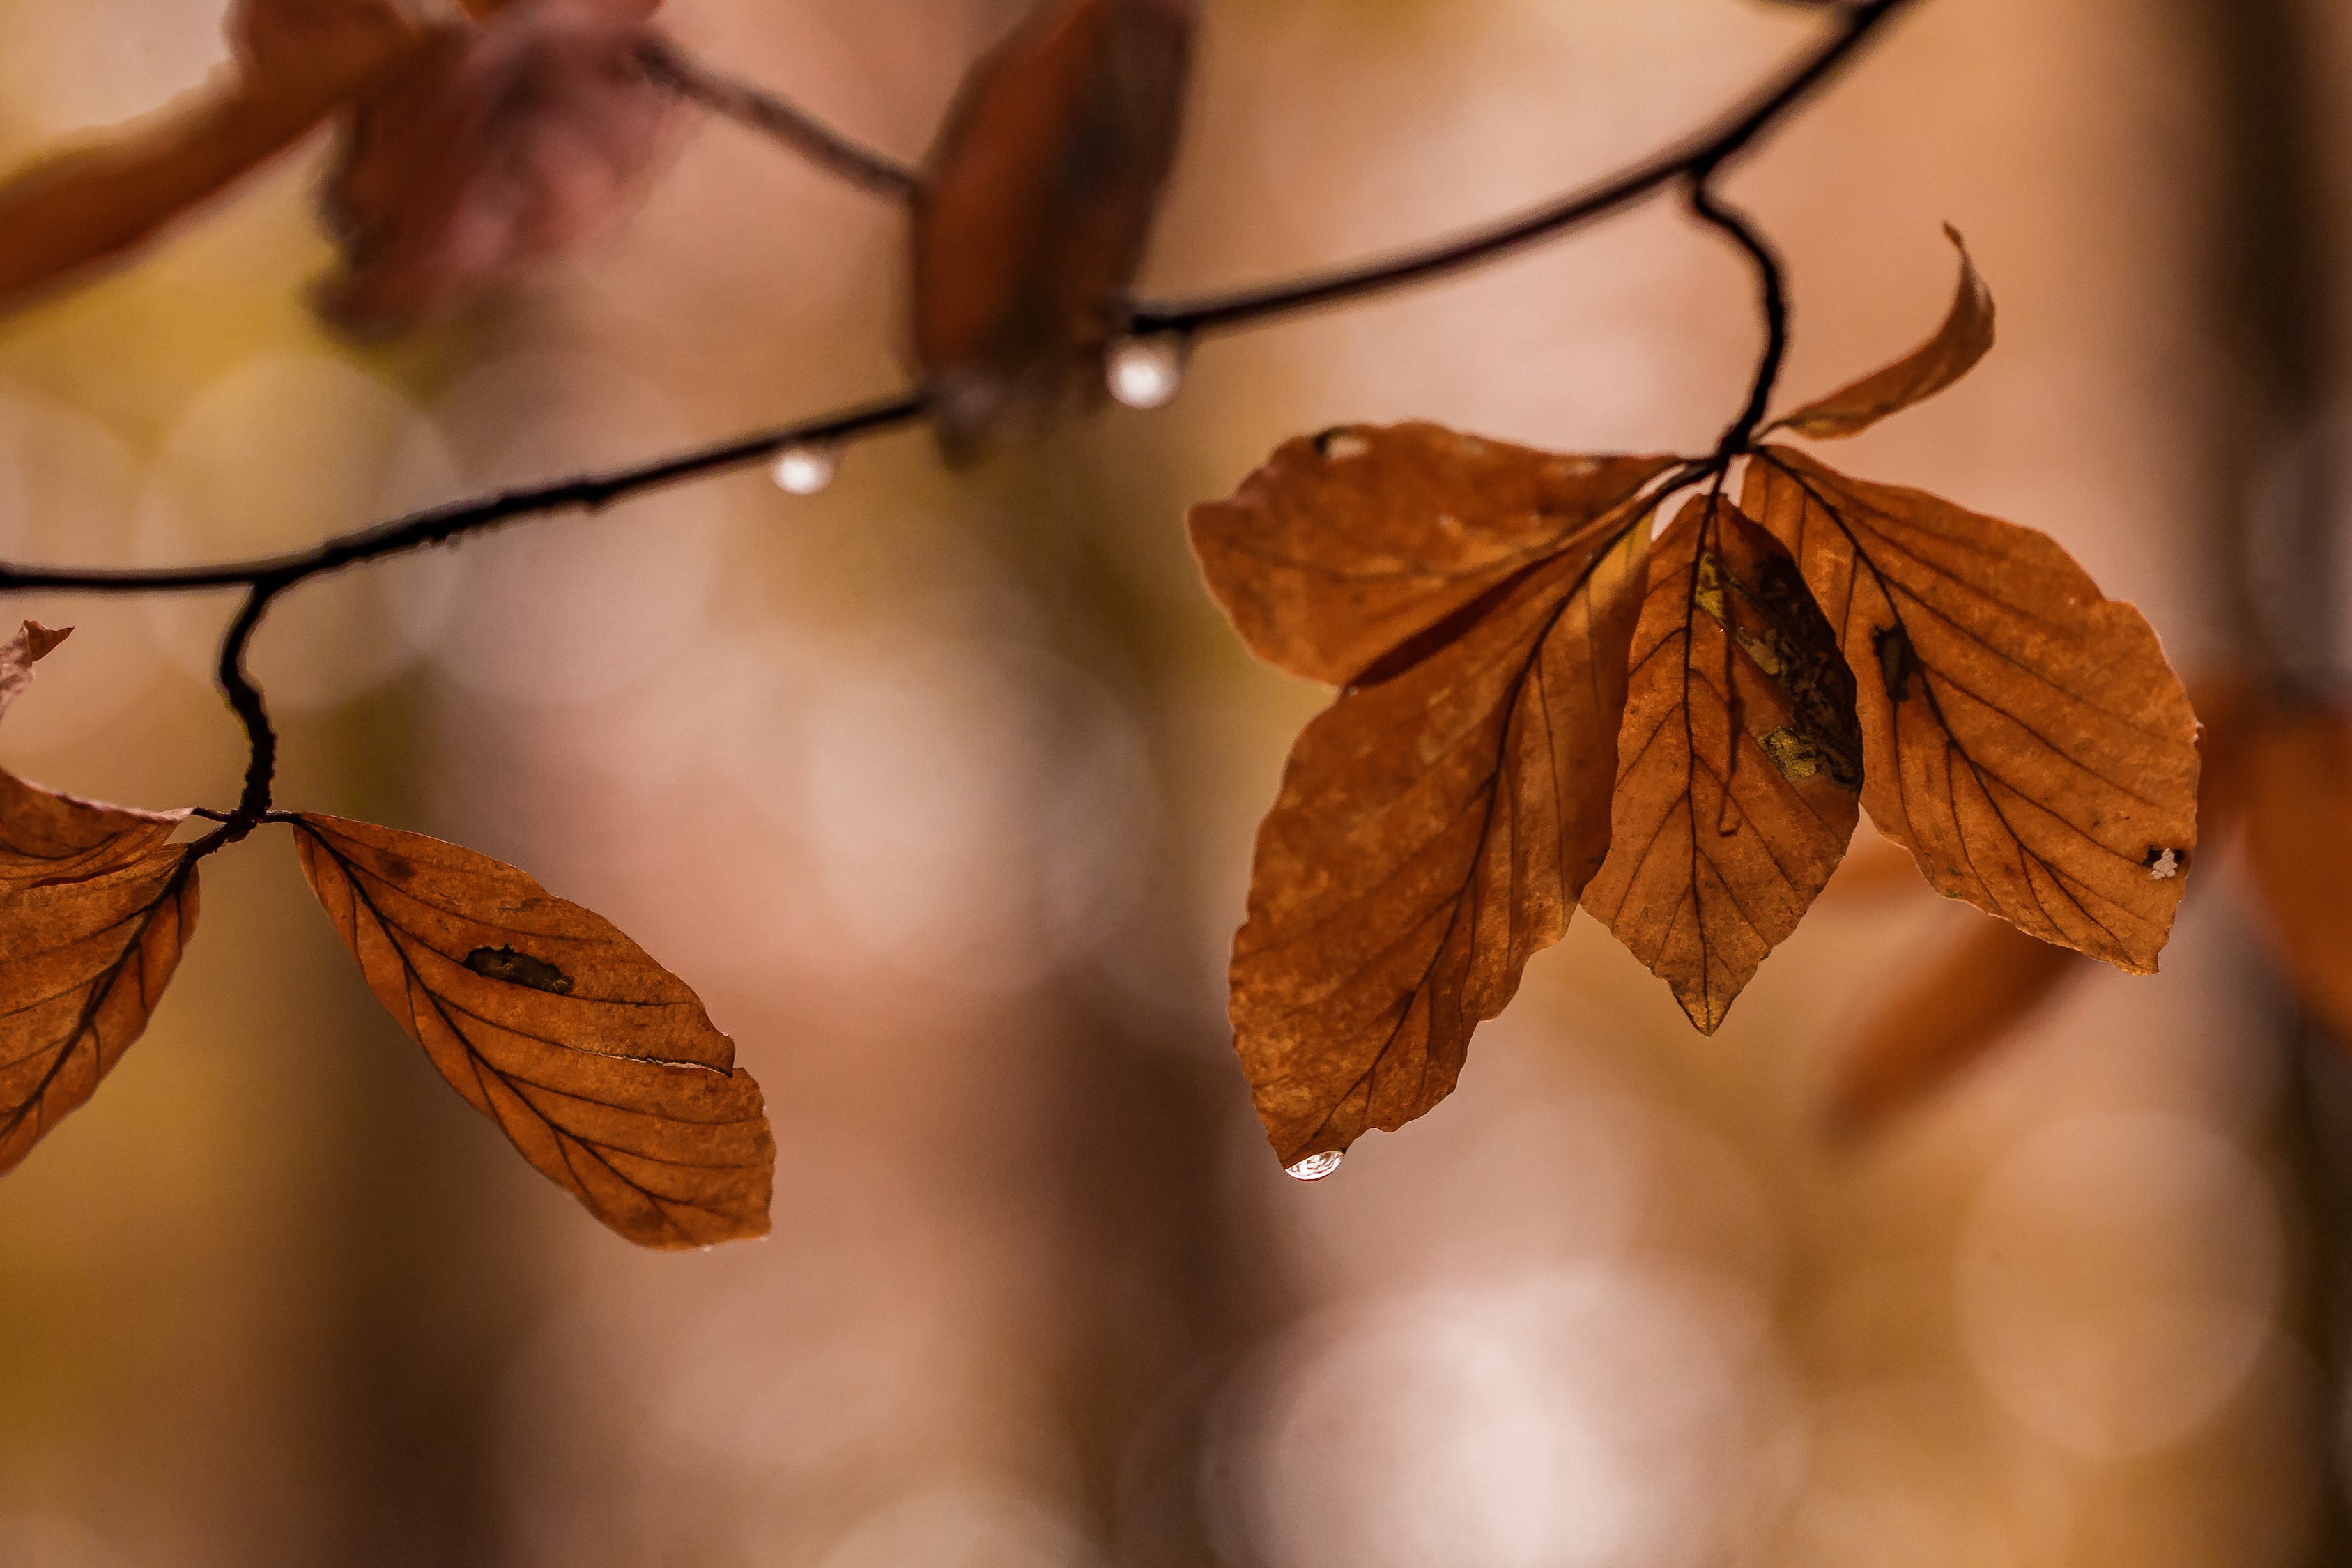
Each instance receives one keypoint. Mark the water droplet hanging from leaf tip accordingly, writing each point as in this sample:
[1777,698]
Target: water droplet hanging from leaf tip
[1314,1167]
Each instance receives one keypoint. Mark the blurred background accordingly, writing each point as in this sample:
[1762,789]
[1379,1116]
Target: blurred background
[941,789]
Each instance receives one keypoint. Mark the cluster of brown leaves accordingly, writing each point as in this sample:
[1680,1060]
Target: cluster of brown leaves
[471,150]
[2273,785]
[1553,695]
[597,1062]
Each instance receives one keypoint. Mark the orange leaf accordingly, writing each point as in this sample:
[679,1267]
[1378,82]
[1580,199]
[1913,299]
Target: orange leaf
[1032,220]
[2021,735]
[95,907]
[1944,1018]
[598,1063]
[1964,337]
[1434,829]
[1739,763]
[2298,789]
[1347,545]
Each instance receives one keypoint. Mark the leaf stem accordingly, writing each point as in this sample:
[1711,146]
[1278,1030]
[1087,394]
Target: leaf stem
[772,116]
[1773,304]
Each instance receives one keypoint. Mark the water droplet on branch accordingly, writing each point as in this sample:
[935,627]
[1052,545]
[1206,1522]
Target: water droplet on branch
[806,471]
[1314,1167]
[1147,372]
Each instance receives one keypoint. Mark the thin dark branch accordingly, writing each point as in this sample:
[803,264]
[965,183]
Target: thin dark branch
[1774,305]
[772,116]
[246,700]
[438,524]
[1703,154]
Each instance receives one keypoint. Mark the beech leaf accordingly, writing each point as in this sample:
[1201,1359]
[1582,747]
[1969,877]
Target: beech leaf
[494,148]
[1348,545]
[1434,829]
[1032,217]
[1965,337]
[96,906]
[1739,763]
[600,1065]
[2021,735]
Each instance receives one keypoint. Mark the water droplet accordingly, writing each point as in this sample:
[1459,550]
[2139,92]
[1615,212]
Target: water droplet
[806,471]
[1314,1167]
[1147,372]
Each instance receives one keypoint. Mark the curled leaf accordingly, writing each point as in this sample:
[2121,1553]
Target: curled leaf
[2021,735]
[600,1065]
[1348,545]
[1434,829]
[33,643]
[497,148]
[1739,763]
[96,906]
[1964,337]
[1031,218]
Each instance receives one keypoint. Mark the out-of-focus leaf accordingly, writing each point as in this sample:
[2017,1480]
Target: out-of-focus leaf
[496,148]
[1739,763]
[1944,1017]
[1964,337]
[1033,215]
[1348,545]
[96,906]
[71,213]
[600,1065]
[1434,829]
[2021,735]
[2299,846]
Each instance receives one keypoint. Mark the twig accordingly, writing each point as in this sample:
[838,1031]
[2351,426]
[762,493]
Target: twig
[266,578]
[1702,154]
[771,115]
[1774,304]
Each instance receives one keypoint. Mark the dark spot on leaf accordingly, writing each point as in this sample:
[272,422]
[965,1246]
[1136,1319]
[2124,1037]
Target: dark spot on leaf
[398,868]
[1897,662]
[1776,622]
[519,969]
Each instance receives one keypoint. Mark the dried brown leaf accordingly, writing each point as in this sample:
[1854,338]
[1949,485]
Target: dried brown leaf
[2298,788]
[1739,763]
[1946,1017]
[1434,829]
[1348,545]
[598,1063]
[2021,735]
[1031,218]
[1964,337]
[95,907]
[494,148]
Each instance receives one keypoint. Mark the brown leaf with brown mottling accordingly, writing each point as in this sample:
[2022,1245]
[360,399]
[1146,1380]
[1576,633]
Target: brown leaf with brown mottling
[1031,218]
[1435,826]
[1739,763]
[1347,545]
[2021,735]
[1965,337]
[96,906]
[600,1065]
